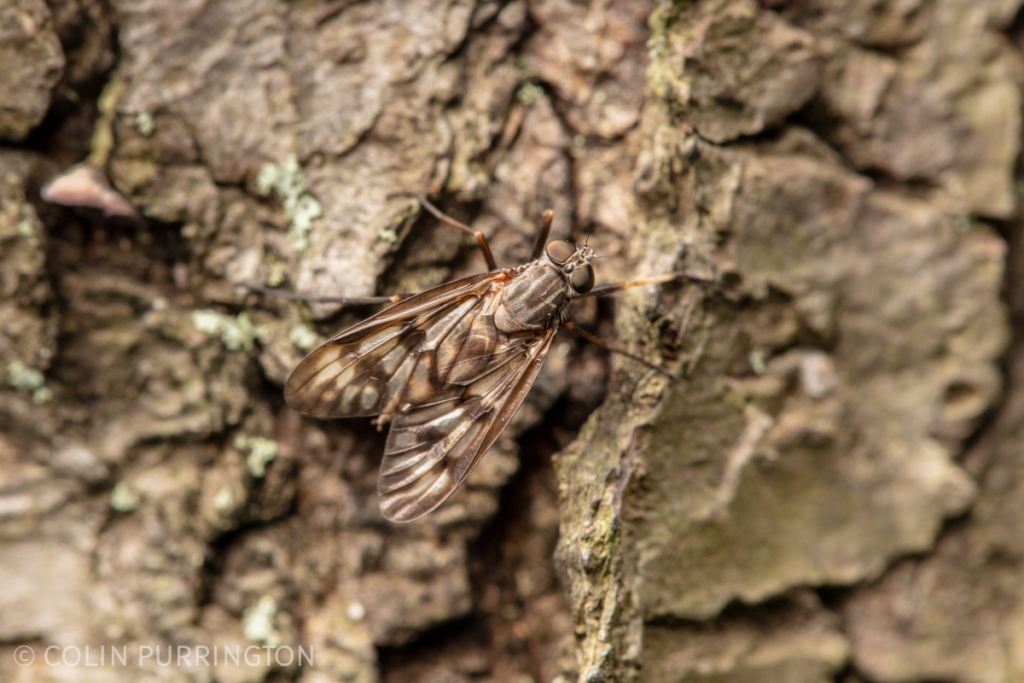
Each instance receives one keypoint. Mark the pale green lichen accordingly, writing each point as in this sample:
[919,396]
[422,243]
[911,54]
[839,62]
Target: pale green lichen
[103,128]
[207,321]
[303,337]
[145,123]
[388,235]
[758,361]
[224,498]
[42,395]
[529,93]
[261,451]
[29,218]
[27,227]
[258,622]
[237,334]
[661,71]
[306,211]
[123,499]
[300,208]
[22,377]
[277,273]
[28,380]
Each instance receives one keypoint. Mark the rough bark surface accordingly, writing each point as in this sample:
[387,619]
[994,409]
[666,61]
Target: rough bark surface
[829,490]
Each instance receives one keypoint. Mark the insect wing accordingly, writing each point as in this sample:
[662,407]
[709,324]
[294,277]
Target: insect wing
[366,369]
[433,448]
[450,378]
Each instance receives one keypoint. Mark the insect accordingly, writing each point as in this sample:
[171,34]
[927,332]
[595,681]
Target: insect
[449,367]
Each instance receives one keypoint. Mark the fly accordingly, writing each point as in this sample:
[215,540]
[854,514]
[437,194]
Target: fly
[449,367]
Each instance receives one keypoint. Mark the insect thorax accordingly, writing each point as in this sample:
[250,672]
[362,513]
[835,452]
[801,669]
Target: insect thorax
[537,294]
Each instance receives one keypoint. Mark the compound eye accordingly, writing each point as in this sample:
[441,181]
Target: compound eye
[559,251]
[582,279]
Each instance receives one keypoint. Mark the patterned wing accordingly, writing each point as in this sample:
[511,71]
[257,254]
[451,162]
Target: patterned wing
[432,448]
[402,356]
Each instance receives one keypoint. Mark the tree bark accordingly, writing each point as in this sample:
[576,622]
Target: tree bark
[826,490]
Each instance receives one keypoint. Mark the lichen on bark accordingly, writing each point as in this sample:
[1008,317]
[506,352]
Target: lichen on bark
[827,388]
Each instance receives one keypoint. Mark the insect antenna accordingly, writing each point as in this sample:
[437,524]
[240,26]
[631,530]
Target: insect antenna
[604,290]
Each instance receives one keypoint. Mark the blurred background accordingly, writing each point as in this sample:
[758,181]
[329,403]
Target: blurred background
[831,488]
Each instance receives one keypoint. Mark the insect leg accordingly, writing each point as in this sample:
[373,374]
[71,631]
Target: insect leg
[591,338]
[352,301]
[542,236]
[436,212]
